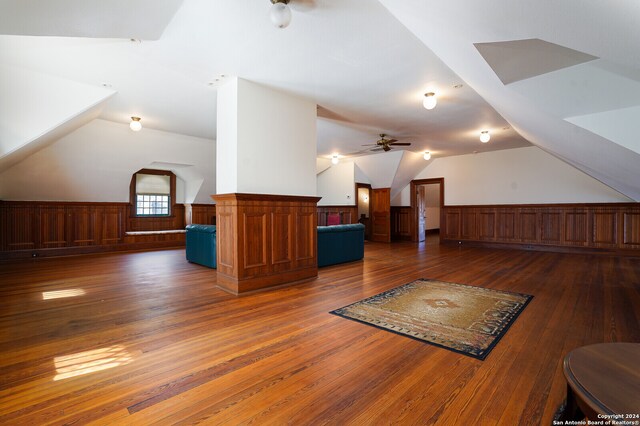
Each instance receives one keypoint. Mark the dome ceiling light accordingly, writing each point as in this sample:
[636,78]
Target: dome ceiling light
[485,136]
[430,101]
[280,13]
[135,124]
[427,155]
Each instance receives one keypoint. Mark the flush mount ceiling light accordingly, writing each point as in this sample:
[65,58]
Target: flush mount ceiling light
[430,100]
[135,124]
[427,155]
[484,136]
[280,13]
[335,159]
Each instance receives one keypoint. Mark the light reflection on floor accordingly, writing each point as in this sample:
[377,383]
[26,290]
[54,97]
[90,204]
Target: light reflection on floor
[59,294]
[90,361]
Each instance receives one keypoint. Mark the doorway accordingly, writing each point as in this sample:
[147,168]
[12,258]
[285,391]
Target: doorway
[427,201]
[363,203]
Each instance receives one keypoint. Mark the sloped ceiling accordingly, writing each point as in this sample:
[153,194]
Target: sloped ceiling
[36,109]
[141,19]
[363,68]
[520,59]
[570,24]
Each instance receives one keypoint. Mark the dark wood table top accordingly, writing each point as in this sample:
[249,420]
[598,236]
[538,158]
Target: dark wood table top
[606,377]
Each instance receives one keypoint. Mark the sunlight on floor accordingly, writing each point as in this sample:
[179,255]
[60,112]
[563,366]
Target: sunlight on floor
[59,294]
[90,361]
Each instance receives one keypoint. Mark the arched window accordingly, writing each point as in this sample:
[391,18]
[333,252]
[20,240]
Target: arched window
[152,192]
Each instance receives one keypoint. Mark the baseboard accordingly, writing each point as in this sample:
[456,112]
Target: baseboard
[236,286]
[545,248]
[75,251]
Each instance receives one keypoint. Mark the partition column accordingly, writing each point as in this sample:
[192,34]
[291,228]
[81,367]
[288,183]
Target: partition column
[266,186]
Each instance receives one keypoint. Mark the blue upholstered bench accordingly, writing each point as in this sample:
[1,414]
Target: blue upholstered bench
[201,244]
[340,243]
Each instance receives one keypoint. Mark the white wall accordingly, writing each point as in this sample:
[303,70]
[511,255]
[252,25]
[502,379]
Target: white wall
[96,162]
[364,197]
[274,150]
[515,176]
[403,199]
[33,104]
[336,185]
[432,203]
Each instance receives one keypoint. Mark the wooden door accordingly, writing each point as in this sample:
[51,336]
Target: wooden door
[421,200]
[380,208]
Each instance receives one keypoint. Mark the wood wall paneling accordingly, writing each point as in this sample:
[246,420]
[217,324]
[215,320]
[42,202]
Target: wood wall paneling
[276,242]
[451,223]
[401,223]
[47,228]
[203,214]
[528,226]
[255,240]
[579,226]
[20,227]
[53,226]
[487,229]
[348,214]
[631,228]
[551,229]
[505,222]
[281,237]
[468,228]
[226,228]
[112,225]
[575,226]
[305,237]
[82,225]
[604,228]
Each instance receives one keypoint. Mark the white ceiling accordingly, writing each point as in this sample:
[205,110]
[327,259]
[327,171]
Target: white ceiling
[366,64]
[352,57]
[537,107]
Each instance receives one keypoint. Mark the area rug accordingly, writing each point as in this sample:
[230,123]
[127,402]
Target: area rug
[465,319]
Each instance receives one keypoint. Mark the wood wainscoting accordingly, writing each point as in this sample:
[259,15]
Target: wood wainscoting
[613,227]
[52,228]
[265,240]
[203,214]
[401,223]
[348,214]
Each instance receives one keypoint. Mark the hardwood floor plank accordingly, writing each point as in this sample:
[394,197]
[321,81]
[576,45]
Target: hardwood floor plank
[147,338]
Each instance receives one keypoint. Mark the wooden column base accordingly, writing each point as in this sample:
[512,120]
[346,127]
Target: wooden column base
[265,240]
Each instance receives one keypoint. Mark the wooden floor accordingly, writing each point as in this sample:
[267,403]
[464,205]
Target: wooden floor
[146,338]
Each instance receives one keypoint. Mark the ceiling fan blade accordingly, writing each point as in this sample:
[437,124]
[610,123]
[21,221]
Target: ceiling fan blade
[370,144]
[386,148]
[391,140]
[400,143]
[377,149]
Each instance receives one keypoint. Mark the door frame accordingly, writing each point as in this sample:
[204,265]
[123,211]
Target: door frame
[367,186]
[414,208]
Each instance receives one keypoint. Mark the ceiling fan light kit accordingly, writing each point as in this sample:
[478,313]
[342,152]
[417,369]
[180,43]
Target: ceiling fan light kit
[280,13]
[135,124]
[430,100]
[485,136]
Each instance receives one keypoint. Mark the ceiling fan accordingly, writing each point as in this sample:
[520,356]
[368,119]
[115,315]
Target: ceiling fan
[384,144]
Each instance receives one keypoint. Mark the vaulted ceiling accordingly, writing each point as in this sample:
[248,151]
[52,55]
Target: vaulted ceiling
[561,76]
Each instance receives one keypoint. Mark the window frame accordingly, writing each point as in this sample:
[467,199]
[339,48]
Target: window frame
[133,199]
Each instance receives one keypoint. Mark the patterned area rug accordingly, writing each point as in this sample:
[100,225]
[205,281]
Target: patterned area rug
[465,319]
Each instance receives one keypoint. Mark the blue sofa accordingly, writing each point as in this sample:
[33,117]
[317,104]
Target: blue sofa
[201,245]
[340,243]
